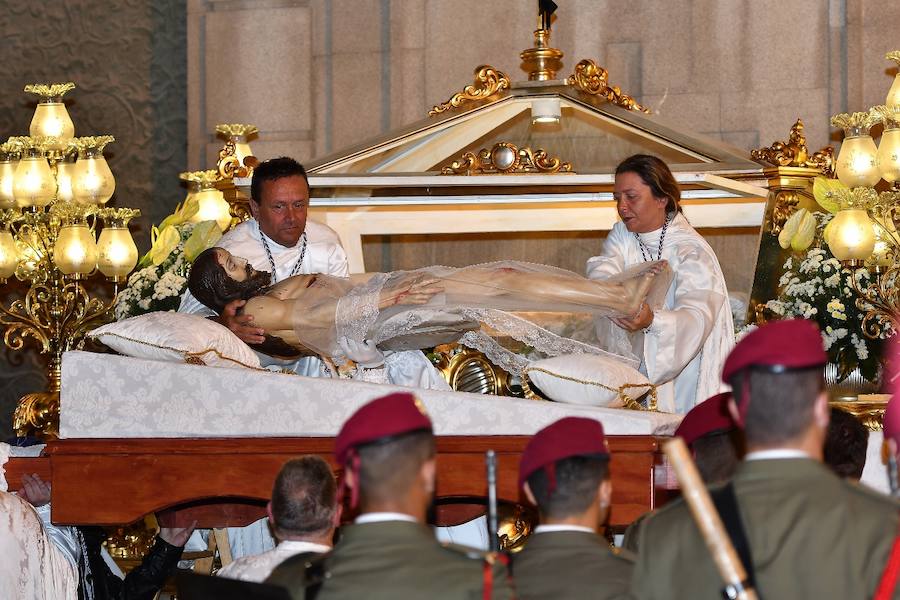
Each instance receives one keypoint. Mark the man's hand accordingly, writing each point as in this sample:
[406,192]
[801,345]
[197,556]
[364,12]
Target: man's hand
[177,536]
[641,320]
[364,354]
[35,490]
[241,325]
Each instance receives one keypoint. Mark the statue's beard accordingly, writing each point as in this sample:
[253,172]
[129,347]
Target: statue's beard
[254,284]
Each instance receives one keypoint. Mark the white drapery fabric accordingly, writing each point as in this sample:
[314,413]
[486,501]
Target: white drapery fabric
[31,565]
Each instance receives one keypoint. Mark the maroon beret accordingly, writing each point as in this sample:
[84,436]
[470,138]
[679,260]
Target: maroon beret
[708,416]
[394,414]
[778,345]
[571,436]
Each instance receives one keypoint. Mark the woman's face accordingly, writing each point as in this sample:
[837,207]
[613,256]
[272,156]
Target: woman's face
[638,208]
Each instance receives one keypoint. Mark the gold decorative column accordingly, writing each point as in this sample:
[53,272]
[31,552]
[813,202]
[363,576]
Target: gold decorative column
[790,178]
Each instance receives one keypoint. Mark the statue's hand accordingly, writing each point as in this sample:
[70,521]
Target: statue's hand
[365,354]
[412,292]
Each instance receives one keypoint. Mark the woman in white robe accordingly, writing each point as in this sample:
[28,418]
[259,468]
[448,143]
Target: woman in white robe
[682,341]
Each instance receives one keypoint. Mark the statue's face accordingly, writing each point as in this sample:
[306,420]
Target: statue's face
[638,208]
[281,210]
[239,269]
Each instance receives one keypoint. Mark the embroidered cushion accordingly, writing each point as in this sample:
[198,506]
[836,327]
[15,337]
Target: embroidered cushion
[177,337]
[588,379]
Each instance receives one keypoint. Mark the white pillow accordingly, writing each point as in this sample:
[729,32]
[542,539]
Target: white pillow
[588,379]
[176,337]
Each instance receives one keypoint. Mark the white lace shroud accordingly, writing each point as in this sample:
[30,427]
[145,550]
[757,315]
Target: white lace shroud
[478,303]
[31,566]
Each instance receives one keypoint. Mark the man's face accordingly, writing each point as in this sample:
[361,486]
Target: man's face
[281,210]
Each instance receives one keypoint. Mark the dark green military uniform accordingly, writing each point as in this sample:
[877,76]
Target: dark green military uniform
[395,560]
[811,535]
[572,565]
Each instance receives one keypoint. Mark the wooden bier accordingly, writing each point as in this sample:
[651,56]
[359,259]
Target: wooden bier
[226,481]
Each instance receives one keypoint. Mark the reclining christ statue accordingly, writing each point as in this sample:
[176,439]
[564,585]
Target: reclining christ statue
[422,308]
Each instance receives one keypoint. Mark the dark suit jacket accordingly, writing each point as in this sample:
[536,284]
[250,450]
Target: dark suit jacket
[811,535]
[395,560]
[570,565]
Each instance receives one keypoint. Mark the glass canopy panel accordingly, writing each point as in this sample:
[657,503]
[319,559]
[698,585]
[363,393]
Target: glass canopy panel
[592,142]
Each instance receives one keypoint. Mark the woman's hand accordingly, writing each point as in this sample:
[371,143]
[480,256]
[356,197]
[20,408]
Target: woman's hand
[641,320]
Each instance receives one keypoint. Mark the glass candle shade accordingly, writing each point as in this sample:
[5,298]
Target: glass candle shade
[7,177]
[51,119]
[889,155]
[857,163]
[117,253]
[34,184]
[75,252]
[852,237]
[65,171]
[92,180]
[213,207]
[9,256]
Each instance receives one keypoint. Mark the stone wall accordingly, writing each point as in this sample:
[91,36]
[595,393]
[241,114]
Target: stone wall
[319,75]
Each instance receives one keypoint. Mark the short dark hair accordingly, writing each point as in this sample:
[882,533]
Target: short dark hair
[304,497]
[390,466]
[655,173]
[717,455]
[577,480]
[845,444]
[781,404]
[211,285]
[272,169]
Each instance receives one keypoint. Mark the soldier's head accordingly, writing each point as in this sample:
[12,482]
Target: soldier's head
[716,442]
[304,500]
[387,449]
[217,277]
[777,381]
[564,471]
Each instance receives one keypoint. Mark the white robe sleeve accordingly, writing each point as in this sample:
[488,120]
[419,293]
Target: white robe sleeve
[611,260]
[192,306]
[677,334]
[337,262]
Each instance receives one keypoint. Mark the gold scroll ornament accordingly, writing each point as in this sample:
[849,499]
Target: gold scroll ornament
[591,78]
[488,82]
[504,158]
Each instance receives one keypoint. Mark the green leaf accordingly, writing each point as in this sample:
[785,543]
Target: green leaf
[190,209]
[826,191]
[173,219]
[205,235]
[166,242]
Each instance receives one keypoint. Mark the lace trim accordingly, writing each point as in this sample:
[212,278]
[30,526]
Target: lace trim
[537,337]
[356,312]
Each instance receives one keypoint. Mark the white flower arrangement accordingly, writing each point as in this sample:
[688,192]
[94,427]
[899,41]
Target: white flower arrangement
[816,286]
[162,273]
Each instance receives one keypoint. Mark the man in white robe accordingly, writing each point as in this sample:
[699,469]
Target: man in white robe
[683,349]
[281,240]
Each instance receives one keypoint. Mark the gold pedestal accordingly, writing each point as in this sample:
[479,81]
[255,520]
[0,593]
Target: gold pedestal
[37,414]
